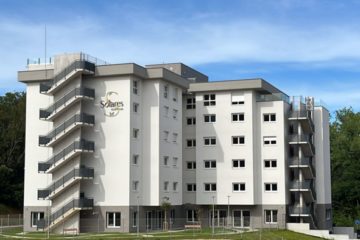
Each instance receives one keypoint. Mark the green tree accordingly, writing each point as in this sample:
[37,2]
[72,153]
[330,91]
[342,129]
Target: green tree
[12,145]
[345,166]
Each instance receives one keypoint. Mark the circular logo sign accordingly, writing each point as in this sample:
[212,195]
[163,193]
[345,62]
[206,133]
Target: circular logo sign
[111,104]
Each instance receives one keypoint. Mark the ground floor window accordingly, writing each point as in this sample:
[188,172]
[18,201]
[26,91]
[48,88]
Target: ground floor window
[135,219]
[35,217]
[271,216]
[113,219]
[191,215]
[241,218]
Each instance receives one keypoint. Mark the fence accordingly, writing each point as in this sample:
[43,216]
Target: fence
[10,221]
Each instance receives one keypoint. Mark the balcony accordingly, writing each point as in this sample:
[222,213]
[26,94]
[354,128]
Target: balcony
[66,128]
[272,97]
[306,188]
[305,142]
[68,100]
[305,164]
[299,211]
[65,212]
[65,155]
[66,181]
[74,69]
[304,118]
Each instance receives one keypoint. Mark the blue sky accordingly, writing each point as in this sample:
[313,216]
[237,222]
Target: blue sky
[307,47]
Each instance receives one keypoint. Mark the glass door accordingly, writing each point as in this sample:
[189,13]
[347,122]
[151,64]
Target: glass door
[241,218]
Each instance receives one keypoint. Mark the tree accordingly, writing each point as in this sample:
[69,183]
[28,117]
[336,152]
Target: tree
[12,146]
[345,166]
[165,205]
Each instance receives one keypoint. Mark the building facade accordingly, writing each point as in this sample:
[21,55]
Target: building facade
[121,147]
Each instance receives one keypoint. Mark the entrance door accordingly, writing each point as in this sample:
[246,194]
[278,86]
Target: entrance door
[241,218]
[219,218]
[148,220]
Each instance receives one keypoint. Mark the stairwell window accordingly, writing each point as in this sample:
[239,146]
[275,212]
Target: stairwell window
[35,217]
[191,187]
[209,118]
[271,187]
[166,91]
[210,187]
[238,187]
[269,140]
[113,219]
[190,143]
[166,160]
[190,121]
[135,133]
[135,87]
[270,163]
[190,103]
[135,107]
[209,99]
[135,159]
[209,141]
[209,164]
[191,165]
[271,216]
[238,140]
[237,117]
[269,117]
[135,186]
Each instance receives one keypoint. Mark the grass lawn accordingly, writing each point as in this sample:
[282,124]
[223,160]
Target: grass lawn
[15,233]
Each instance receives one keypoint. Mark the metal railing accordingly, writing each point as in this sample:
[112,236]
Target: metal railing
[307,184]
[304,161]
[77,64]
[299,210]
[297,138]
[77,172]
[272,97]
[78,118]
[75,203]
[85,92]
[77,145]
[302,114]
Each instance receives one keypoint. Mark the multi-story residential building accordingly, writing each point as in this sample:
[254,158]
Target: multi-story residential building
[108,144]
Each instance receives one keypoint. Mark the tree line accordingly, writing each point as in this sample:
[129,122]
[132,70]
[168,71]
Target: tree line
[344,141]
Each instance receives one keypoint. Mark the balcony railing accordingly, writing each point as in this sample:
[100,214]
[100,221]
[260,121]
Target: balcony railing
[78,118]
[73,174]
[306,185]
[82,145]
[272,97]
[299,210]
[304,161]
[76,65]
[77,92]
[302,114]
[82,203]
[302,138]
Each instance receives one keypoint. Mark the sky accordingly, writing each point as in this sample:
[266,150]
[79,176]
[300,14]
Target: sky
[303,47]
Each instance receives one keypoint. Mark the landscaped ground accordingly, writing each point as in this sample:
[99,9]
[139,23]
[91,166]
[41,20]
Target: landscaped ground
[15,233]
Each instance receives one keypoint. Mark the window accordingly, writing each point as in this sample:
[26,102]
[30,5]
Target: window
[190,103]
[175,137]
[166,160]
[209,118]
[209,163]
[209,141]
[175,185]
[191,121]
[328,214]
[175,113]
[190,143]
[166,91]
[269,117]
[35,217]
[270,187]
[238,163]
[209,100]
[191,165]
[135,219]
[210,187]
[172,215]
[175,161]
[135,185]
[271,216]
[166,111]
[113,219]
[175,97]
[238,187]
[191,187]
[238,140]
[135,87]
[269,140]
[136,107]
[135,159]
[166,136]
[237,98]
[191,215]
[237,117]
[166,186]
[270,163]
[135,133]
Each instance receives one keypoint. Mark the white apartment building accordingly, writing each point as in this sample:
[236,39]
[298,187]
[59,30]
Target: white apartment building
[108,144]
